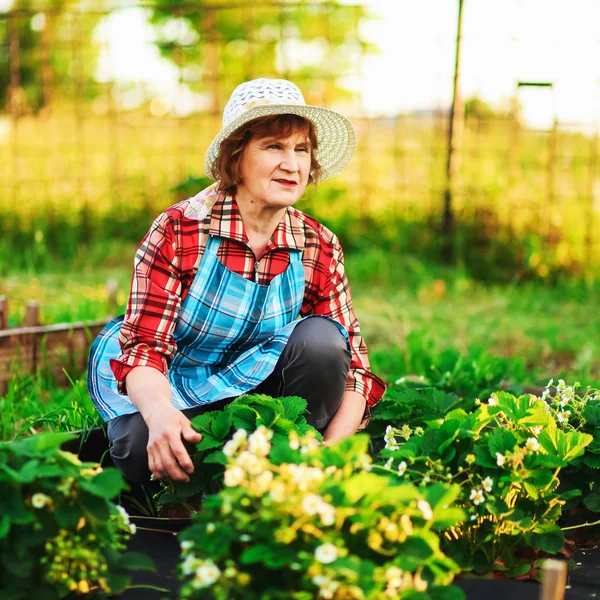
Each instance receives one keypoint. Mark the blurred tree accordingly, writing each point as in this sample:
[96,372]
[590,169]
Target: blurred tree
[45,45]
[316,43]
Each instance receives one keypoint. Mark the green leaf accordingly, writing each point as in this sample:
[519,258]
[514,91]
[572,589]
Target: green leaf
[532,490]
[416,550]
[4,526]
[203,422]
[216,457]
[446,434]
[106,484]
[257,554]
[244,417]
[592,460]
[66,516]
[136,561]
[591,413]
[293,407]
[94,506]
[361,484]
[548,538]
[221,425]
[592,502]
[447,517]
[117,582]
[41,443]
[447,592]
[548,439]
[266,416]
[501,440]
[16,565]
[208,443]
[572,444]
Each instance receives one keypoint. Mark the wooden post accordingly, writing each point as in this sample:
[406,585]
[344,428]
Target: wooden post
[455,130]
[554,580]
[32,314]
[111,288]
[3,313]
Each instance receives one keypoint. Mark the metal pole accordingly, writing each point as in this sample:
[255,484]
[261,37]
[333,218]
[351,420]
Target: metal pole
[455,131]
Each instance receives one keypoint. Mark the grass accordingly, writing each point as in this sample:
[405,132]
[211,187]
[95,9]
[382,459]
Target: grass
[414,316]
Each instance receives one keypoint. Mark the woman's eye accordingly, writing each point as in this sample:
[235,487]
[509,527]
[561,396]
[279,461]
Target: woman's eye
[302,149]
[276,146]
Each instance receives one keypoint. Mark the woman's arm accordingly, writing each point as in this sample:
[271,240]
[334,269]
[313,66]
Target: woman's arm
[150,392]
[347,419]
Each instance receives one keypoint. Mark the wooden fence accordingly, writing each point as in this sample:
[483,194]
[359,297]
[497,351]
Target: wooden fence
[50,349]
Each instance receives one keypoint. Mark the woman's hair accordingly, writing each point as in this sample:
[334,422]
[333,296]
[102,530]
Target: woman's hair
[232,147]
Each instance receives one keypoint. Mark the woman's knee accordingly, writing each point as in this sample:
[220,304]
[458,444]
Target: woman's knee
[321,342]
[128,437]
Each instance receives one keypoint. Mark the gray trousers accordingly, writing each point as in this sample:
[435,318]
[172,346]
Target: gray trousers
[314,365]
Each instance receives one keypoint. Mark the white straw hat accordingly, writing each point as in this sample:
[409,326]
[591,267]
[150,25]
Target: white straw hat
[262,97]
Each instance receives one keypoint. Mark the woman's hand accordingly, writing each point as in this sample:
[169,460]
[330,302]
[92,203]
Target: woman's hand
[167,456]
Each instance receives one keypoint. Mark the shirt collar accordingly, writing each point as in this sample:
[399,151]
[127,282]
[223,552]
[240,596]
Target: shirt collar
[226,221]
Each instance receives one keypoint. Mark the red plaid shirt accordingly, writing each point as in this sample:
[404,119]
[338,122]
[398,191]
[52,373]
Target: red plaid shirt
[168,259]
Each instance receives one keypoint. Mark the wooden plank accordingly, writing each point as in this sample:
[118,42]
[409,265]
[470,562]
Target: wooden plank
[554,580]
[49,349]
[3,313]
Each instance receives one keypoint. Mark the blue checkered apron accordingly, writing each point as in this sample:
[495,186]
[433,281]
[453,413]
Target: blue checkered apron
[230,333]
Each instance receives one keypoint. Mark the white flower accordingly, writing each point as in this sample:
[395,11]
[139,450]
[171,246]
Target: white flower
[492,402]
[311,504]
[40,500]
[240,434]
[327,586]
[500,459]
[210,527]
[258,442]
[190,564]
[230,448]
[278,492]
[186,545]
[132,528]
[263,482]
[250,463]
[537,430]
[327,514]
[487,484]
[234,476]
[477,496]
[563,417]
[402,468]
[326,553]
[394,576]
[206,574]
[532,444]
[425,509]
[123,514]
[545,394]
[550,383]
[388,464]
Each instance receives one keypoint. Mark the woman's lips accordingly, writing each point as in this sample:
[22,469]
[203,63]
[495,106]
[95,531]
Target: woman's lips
[286,183]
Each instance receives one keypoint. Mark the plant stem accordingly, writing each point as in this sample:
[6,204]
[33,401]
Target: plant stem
[586,524]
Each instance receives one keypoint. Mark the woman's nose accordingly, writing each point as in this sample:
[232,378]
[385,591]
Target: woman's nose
[290,161]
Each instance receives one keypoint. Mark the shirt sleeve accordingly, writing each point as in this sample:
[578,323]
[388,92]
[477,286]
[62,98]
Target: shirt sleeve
[146,336]
[336,302]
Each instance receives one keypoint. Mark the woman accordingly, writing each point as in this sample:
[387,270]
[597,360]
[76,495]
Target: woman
[219,283]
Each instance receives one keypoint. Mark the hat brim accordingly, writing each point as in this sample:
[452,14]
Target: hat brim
[335,135]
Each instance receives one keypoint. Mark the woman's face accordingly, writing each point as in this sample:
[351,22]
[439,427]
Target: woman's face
[275,171]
